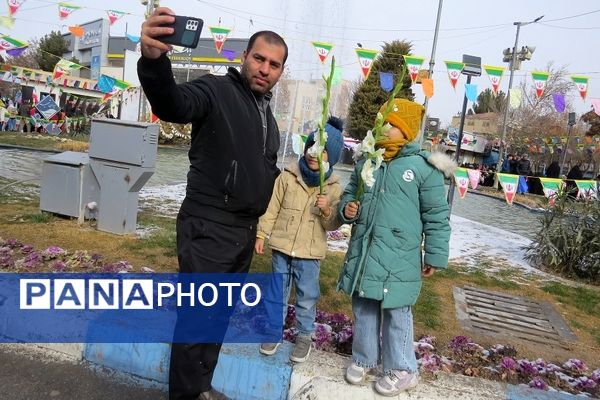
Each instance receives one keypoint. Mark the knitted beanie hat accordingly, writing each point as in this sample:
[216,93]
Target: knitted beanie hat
[406,115]
[335,140]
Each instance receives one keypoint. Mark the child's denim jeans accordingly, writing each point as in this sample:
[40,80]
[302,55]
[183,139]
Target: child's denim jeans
[389,343]
[304,274]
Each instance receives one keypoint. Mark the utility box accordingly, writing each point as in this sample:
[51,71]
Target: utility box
[122,158]
[68,184]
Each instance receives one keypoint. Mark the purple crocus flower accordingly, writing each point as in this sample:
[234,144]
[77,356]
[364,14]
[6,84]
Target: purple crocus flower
[430,362]
[527,367]
[575,365]
[31,261]
[509,364]
[26,249]
[596,375]
[459,343]
[538,383]
[585,383]
[290,334]
[345,334]
[322,336]
[58,266]
[6,261]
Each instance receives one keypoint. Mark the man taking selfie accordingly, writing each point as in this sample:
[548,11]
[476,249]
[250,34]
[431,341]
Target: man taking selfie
[233,157]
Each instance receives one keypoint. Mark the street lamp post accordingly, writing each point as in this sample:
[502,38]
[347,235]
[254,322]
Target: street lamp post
[513,62]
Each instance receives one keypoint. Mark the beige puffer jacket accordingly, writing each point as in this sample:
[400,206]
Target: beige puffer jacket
[292,223]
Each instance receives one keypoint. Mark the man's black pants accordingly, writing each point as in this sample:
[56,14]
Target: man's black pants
[205,246]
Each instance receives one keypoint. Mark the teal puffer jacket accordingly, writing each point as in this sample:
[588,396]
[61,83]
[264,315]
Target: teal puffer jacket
[406,206]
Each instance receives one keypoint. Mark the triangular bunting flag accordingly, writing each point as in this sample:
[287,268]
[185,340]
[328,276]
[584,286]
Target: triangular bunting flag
[462,181]
[133,38]
[587,190]
[13,6]
[77,31]
[539,80]
[66,9]
[454,70]
[474,176]
[106,83]
[219,36]
[495,75]
[551,187]
[114,15]
[427,86]
[323,50]
[7,22]
[365,59]
[8,43]
[582,84]
[67,65]
[509,184]
[413,63]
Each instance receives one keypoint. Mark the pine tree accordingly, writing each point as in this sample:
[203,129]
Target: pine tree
[370,96]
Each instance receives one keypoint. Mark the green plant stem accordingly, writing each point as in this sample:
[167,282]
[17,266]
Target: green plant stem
[324,116]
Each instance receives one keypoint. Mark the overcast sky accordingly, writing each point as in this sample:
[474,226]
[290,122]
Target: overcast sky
[480,28]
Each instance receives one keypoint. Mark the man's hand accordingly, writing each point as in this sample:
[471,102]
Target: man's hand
[151,28]
[259,246]
[351,209]
[322,204]
[427,271]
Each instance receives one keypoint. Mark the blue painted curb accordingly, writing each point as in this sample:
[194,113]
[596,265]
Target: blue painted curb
[522,392]
[242,372]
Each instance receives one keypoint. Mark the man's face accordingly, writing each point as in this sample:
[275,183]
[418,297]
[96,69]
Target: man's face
[263,65]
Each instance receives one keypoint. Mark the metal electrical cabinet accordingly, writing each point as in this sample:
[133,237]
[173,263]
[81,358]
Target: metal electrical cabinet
[122,156]
[68,184]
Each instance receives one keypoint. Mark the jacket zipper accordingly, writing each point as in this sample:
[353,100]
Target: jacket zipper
[263,123]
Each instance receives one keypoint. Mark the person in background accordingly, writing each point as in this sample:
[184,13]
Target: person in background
[553,170]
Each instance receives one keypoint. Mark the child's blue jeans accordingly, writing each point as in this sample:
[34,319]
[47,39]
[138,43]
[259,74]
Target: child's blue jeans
[389,342]
[304,274]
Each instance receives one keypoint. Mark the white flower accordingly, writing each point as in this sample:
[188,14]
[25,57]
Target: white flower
[357,152]
[378,157]
[368,143]
[367,173]
[386,128]
[325,167]
[379,117]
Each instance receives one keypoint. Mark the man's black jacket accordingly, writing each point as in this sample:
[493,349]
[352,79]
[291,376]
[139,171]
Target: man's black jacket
[233,166]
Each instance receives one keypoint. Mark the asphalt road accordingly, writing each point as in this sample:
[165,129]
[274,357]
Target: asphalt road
[28,375]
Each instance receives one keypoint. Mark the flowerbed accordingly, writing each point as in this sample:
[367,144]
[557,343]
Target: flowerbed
[334,330]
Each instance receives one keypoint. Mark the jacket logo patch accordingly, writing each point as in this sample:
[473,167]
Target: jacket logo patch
[408,175]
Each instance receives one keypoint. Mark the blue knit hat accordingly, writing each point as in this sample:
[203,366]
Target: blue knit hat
[335,140]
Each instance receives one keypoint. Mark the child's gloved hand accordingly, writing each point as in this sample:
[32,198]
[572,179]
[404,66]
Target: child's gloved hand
[427,271]
[322,204]
[259,246]
[351,209]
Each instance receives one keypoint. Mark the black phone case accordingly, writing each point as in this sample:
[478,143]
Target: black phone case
[187,32]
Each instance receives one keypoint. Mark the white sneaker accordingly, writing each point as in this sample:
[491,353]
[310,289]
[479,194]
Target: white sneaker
[396,382]
[355,374]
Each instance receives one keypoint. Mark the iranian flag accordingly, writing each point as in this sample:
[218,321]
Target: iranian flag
[413,63]
[219,36]
[509,184]
[495,75]
[9,43]
[539,80]
[461,177]
[365,59]
[322,49]
[66,9]
[454,70]
[114,15]
[587,190]
[474,175]
[582,84]
[551,187]
[13,6]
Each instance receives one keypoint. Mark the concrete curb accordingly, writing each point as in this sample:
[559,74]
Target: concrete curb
[242,373]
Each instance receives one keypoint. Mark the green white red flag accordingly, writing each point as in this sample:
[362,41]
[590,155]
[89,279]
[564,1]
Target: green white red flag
[323,50]
[509,184]
[9,43]
[13,6]
[454,70]
[582,84]
[413,63]
[114,15]
[495,75]
[474,176]
[587,190]
[539,80]
[66,9]
[365,59]
[219,36]
[461,177]
[551,187]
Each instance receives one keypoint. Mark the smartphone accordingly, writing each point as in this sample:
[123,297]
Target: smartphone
[186,34]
